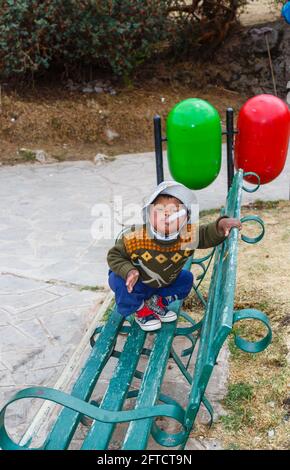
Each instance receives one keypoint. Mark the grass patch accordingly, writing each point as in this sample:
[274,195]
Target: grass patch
[258,204]
[262,205]
[27,155]
[207,212]
[233,446]
[91,288]
[237,401]
[257,417]
[238,393]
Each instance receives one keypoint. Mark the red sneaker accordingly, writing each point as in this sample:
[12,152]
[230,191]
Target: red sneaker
[147,319]
[157,305]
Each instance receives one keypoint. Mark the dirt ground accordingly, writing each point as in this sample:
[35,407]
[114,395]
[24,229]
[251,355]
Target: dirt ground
[73,125]
[257,405]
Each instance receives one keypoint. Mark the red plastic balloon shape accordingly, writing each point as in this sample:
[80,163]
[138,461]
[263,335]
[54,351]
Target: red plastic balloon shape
[263,135]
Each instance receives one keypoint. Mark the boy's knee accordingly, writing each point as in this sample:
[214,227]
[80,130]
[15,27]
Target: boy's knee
[187,282]
[187,277]
[115,281]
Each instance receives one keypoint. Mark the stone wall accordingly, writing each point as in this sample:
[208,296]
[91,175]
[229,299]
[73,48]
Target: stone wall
[243,60]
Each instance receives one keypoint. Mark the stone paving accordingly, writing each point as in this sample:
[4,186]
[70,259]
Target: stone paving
[53,273]
[40,326]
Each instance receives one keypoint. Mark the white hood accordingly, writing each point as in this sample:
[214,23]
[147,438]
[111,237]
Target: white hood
[181,192]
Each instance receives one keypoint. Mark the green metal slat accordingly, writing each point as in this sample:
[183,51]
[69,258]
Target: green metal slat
[219,311]
[202,369]
[218,293]
[228,270]
[68,420]
[230,265]
[100,434]
[138,432]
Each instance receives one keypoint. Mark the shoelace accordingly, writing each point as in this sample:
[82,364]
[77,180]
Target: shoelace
[147,312]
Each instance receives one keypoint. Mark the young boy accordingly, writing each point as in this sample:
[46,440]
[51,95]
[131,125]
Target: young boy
[146,262]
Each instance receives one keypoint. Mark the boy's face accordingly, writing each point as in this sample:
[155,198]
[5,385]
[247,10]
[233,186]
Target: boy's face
[161,210]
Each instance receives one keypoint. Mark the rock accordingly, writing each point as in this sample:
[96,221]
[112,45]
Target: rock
[244,82]
[88,89]
[101,158]
[98,84]
[39,155]
[112,91]
[43,157]
[111,134]
[258,67]
[71,86]
[94,86]
[236,68]
[224,77]
[258,90]
[99,89]
[259,41]
[271,433]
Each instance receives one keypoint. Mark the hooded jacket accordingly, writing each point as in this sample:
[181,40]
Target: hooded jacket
[160,260]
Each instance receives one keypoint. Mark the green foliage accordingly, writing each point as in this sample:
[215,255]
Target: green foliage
[117,35]
[120,34]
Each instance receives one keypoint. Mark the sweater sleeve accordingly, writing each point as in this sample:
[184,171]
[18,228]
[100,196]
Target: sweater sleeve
[118,260]
[209,235]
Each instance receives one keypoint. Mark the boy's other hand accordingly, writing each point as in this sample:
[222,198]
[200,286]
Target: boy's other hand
[224,225]
[132,278]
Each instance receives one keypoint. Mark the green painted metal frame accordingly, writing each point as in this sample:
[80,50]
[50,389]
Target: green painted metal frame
[211,332]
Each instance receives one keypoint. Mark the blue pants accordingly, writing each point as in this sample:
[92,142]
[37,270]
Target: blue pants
[127,303]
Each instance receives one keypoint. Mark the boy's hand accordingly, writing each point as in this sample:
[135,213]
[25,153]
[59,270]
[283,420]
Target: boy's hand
[224,225]
[132,278]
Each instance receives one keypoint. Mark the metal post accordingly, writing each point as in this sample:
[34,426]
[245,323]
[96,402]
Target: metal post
[230,139]
[158,149]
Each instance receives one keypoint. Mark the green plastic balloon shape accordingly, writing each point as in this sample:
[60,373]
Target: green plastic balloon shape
[194,134]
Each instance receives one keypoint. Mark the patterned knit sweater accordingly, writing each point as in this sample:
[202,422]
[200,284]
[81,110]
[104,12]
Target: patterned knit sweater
[158,262]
